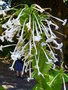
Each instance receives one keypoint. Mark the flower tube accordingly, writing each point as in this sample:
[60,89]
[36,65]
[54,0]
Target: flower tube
[20,13]
[23,28]
[39,8]
[38,24]
[29,23]
[34,38]
[64,83]
[63,21]
[49,60]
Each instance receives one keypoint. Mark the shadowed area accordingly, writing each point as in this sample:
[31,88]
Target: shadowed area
[9,80]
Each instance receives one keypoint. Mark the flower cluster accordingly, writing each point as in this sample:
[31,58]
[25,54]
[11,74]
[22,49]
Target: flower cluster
[36,29]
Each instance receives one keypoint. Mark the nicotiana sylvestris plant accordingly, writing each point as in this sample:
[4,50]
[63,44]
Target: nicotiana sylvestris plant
[36,42]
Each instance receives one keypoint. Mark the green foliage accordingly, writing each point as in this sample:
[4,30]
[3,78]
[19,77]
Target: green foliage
[1,88]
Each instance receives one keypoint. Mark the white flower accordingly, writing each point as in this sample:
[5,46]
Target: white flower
[4,26]
[64,83]
[10,40]
[59,46]
[28,26]
[37,66]
[2,2]
[2,12]
[64,22]
[16,22]
[37,38]
[43,44]
[11,68]
[57,27]
[2,38]
[49,60]
[29,23]
[39,8]
[15,55]
[53,66]
[1,47]
[49,40]
[51,23]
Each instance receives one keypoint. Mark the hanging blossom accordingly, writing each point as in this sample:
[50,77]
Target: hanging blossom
[62,21]
[12,27]
[64,83]
[37,67]
[40,30]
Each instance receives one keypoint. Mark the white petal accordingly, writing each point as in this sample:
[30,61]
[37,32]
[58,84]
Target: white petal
[11,68]
[64,22]
[1,47]
[2,38]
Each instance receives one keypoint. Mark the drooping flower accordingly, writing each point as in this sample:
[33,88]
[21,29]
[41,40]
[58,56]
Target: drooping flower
[1,47]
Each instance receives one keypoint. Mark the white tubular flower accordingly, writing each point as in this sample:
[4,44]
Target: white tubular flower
[2,12]
[37,38]
[11,68]
[38,24]
[29,78]
[28,26]
[52,54]
[20,14]
[9,39]
[56,26]
[39,8]
[2,38]
[64,83]
[33,39]
[2,2]
[29,23]
[1,47]
[37,32]
[23,68]
[9,35]
[53,79]
[49,60]
[9,45]
[25,46]
[49,40]
[9,24]
[23,29]
[45,29]
[37,67]
[63,21]
[53,66]
[49,28]
[30,46]
[4,26]
[16,22]
[15,55]
[59,46]
[43,44]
